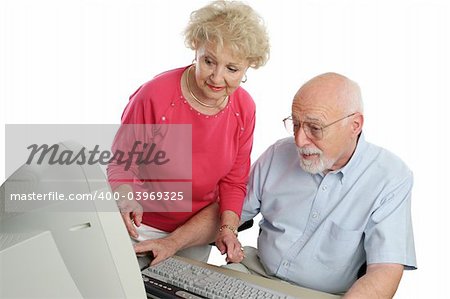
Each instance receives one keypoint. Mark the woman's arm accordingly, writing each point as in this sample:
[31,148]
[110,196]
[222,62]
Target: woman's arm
[201,229]
[227,241]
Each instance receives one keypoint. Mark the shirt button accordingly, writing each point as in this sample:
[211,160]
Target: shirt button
[237,113]
[163,118]
[172,104]
[315,215]
[324,187]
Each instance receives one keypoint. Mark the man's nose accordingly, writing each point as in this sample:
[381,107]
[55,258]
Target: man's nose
[300,137]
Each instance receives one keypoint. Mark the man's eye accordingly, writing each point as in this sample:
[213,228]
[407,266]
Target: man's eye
[313,127]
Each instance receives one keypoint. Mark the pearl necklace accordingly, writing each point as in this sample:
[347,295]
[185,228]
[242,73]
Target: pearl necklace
[196,99]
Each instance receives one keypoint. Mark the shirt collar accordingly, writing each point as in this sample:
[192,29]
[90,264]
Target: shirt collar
[361,147]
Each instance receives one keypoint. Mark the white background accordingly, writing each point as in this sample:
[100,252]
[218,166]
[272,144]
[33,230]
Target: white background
[78,61]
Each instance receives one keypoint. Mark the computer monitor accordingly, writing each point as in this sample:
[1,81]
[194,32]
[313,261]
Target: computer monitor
[63,248]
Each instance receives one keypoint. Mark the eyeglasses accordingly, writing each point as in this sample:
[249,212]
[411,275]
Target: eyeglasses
[312,130]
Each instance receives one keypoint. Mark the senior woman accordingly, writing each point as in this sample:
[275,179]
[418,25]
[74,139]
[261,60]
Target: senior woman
[228,38]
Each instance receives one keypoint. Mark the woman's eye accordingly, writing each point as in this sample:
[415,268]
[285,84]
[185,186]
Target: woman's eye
[233,70]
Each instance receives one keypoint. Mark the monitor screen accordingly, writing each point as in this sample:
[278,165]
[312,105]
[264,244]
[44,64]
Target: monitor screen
[56,248]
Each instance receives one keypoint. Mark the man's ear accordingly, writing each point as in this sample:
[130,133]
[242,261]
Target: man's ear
[357,123]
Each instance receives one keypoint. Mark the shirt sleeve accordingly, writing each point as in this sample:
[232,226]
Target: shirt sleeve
[259,171]
[233,187]
[389,235]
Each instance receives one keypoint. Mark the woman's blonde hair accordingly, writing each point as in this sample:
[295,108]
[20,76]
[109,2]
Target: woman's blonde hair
[233,24]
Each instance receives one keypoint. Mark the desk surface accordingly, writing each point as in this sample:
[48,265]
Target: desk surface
[281,286]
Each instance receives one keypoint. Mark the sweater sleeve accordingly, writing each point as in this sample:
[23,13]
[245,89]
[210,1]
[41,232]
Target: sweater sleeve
[233,186]
[131,135]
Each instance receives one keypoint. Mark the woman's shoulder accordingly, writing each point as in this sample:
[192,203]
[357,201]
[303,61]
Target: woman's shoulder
[163,86]
[168,78]
[173,74]
[243,101]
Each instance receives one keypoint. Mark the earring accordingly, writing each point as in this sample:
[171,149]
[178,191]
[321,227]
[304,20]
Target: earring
[245,78]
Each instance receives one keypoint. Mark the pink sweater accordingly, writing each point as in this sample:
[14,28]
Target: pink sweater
[221,145]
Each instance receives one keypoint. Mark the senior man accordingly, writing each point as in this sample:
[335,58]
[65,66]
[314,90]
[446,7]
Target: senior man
[331,202]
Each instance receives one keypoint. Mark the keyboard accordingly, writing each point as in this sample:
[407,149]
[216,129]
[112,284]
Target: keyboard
[175,278]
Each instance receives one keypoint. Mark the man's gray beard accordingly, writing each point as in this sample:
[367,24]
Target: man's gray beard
[316,166]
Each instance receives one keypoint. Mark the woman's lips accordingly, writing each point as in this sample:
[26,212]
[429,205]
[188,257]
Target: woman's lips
[216,88]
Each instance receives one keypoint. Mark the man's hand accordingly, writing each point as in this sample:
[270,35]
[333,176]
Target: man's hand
[161,248]
[228,243]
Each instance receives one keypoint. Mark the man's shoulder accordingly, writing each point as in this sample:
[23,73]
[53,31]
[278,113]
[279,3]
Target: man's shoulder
[387,162]
[287,143]
[282,147]
[279,153]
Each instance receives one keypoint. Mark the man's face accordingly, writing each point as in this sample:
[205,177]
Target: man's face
[331,148]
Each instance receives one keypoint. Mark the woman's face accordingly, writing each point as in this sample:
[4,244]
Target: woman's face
[217,72]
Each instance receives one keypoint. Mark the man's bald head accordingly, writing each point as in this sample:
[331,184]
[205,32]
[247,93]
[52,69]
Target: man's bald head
[327,113]
[332,90]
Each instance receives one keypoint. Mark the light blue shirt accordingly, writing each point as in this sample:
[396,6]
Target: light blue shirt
[317,230]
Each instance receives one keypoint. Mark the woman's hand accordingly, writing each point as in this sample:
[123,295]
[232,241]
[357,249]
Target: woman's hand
[227,242]
[130,210]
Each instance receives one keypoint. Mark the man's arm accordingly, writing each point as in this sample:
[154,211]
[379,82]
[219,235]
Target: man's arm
[380,281]
[201,229]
